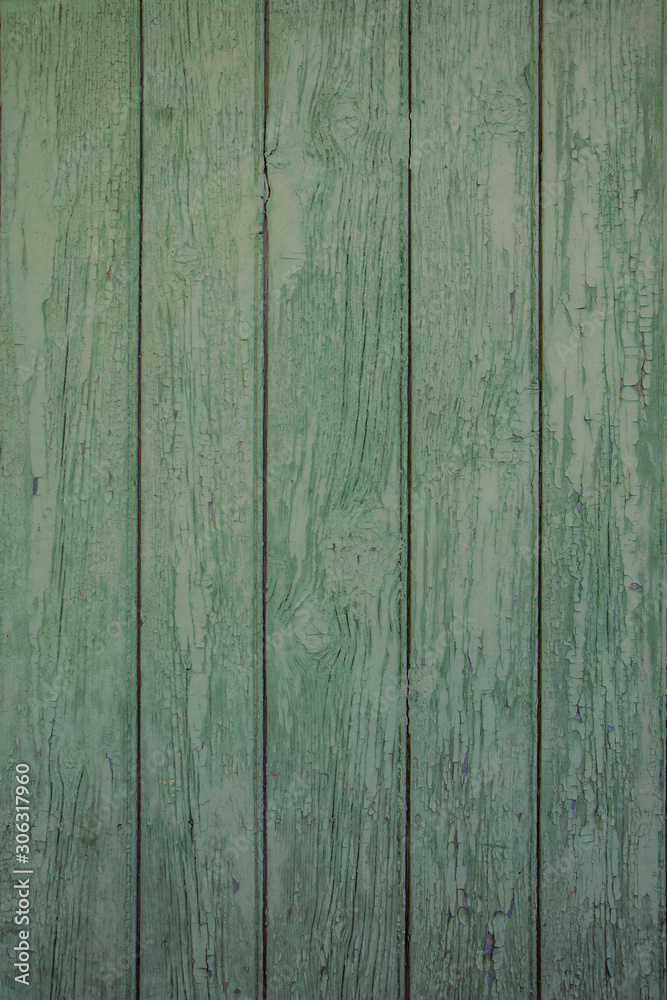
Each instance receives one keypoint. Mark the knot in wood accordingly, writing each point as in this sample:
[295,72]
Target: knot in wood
[506,110]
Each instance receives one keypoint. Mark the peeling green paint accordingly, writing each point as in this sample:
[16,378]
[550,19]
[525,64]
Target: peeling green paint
[603,612]
[70,222]
[201,535]
[474,500]
[386,198]
[337,213]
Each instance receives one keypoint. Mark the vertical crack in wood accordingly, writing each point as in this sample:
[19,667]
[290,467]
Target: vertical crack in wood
[538,700]
[408,492]
[140,179]
[265,409]
[663,471]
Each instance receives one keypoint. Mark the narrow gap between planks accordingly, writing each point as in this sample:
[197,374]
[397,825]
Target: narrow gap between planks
[137,961]
[408,503]
[265,451]
[540,348]
[663,427]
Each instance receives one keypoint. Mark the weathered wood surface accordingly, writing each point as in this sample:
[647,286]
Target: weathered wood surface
[201,525]
[603,613]
[337,168]
[334,151]
[70,187]
[473,662]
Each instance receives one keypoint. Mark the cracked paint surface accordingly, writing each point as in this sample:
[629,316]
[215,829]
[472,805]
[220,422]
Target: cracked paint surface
[603,570]
[366,656]
[474,501]
[70,186]
[201,490]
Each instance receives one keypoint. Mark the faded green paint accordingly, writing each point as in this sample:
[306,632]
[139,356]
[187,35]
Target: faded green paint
[337,211]
[70,219]
[201,533]
[333,177]
[603,612]
[474,500]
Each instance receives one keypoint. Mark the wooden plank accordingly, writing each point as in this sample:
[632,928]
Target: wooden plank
[201,525]
[336,158]
[70,185]
[603,797]
[474,499]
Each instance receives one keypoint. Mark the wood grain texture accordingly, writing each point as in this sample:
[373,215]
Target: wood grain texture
[201,531]
[336,157]
[67,589]
[603,613]
[474,500]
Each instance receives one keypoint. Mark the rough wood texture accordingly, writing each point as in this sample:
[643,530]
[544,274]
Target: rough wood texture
[70,173]
[474,500]
[201,322]
[330,166]
[602,880]
[336,153]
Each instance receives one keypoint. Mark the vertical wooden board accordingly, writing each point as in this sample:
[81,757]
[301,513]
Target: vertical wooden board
[602,878]
[201,525]
[474,500]
[70,176]
[336,165]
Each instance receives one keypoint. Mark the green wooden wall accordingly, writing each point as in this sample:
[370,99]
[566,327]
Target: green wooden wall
[333,564]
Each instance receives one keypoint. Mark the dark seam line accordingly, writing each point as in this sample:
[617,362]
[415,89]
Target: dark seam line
[663,468]
[538,741]
[408,584]
[137,984]
[265,410]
